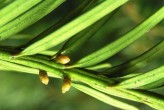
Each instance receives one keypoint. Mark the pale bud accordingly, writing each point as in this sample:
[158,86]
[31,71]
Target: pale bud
[43,77]
[62,59]
[66,85]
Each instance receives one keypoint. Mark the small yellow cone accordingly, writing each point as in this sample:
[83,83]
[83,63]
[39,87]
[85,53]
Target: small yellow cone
[66,85]
[43,77]
[62,59]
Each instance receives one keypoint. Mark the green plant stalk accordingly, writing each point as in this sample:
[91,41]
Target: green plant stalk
[3,69]
[104,98]
[73,27]
[17,67]
[139,61]
[61,22]
[7,66]
[28,18]
[17,11]
[73,74]
[143,79]
[47,62]
[88,78]
[122,42]
[33,64]
[38,58]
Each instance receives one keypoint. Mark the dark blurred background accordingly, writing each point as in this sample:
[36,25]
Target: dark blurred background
[22,91]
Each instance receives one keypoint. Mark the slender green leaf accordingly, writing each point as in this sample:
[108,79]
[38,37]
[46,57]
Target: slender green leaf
[18,10]
[79,40]
[100,67]
[28,18]
[104,98]
[143,79]
[126,77]
[73,27]
[122,42]
[10,6]
[49,52]
[116,92]
[76,12]
[5,3]
[152,99]
[154,85]
[139,61]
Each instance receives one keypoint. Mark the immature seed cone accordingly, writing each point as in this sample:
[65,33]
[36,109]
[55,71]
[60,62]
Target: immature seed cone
[62,59]
[66,84]
[43,77]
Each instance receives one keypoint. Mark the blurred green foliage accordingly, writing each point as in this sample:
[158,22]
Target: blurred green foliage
[21,91]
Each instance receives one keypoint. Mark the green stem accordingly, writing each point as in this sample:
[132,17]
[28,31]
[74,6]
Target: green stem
[47,62]
[13,66]
[74,74]
[33,64]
